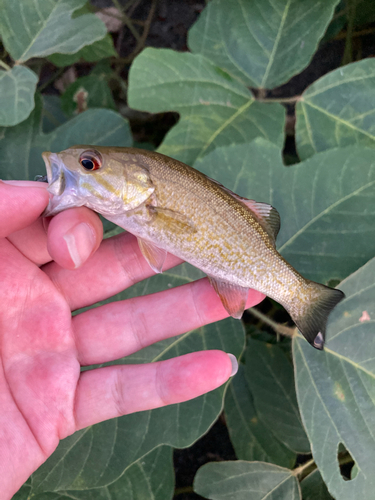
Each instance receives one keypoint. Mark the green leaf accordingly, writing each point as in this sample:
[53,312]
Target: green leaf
[246,481]
[270,377]
[91,53]
[53,115]
[215,109]
[151,477]
[338,110]
[39,28]
[336,388]
[251,439]
[21,146]
[263,43]
[326,203]
[314,488]
[87,92]
[97,456]
[17,89]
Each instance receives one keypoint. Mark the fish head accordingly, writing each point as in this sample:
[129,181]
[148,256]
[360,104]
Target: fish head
[97,178]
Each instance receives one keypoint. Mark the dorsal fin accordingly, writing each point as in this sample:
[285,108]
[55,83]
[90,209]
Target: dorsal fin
[267,216]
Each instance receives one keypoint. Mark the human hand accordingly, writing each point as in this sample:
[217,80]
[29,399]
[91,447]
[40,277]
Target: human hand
[43,395]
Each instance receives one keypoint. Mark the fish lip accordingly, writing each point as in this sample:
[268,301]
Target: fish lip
[61,185]
[46,157]
[55,173]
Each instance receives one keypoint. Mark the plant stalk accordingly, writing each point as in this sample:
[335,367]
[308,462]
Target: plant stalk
[284,330]
[184,489]
[127,20]
[5,66]
[305,469]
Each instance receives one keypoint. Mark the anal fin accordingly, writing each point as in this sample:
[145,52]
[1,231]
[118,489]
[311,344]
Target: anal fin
[233,297]
[154,255]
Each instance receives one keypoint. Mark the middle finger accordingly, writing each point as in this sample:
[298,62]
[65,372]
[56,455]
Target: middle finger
[121,328]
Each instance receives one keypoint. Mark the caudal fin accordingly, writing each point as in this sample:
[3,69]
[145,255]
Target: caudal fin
[312,324]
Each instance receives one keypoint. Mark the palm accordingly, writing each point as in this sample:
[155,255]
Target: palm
[39,365]
[43,395]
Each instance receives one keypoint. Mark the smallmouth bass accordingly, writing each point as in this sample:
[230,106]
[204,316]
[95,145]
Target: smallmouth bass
[171,207]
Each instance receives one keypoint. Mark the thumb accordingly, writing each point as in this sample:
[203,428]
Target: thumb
[21,203]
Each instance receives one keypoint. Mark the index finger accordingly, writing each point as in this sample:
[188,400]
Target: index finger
[116,265]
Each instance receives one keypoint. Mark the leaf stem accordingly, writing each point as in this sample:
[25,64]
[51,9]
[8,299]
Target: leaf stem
[284,330]
[343,34]
[127,20]
[184,489]
[5,66]
[141,41]
[305,469]
[291,100]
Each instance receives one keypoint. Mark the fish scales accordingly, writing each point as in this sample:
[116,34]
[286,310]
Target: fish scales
[248,254]
[172,207]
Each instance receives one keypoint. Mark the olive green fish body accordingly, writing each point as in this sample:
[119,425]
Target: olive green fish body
[172,207]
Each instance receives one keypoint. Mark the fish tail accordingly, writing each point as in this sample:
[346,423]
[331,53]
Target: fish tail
[312,322]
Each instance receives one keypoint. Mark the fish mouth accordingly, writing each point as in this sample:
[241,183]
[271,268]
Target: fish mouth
[62,185]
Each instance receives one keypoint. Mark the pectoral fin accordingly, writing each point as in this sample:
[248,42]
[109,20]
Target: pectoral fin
[154,255]
[233,297]
[172,221]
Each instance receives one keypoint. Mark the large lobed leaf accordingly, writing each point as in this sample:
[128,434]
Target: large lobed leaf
[38,28]
[251,438]
[261,42]
[215,108]
[17,88]
[336,388]
[101,49]
[150,477]
[270,377]
[246,481]
[338,110]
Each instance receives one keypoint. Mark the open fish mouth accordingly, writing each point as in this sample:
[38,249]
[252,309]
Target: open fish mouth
[62,184]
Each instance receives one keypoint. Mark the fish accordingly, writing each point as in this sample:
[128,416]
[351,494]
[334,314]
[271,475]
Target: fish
[171,207]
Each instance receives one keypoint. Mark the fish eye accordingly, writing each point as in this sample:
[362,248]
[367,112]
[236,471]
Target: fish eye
[90,160]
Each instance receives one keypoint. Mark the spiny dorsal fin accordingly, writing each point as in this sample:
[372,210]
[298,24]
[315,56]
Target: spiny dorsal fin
[233,297]
[267,216]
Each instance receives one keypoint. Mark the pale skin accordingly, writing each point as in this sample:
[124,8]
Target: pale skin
[47,270]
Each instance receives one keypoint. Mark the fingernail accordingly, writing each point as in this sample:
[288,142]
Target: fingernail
[80,241]
[234,362]
[42,185]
